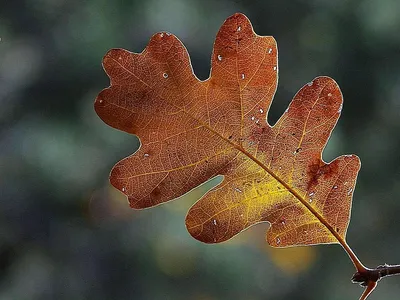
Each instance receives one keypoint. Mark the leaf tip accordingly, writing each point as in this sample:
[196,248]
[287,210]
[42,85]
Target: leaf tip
[239,21]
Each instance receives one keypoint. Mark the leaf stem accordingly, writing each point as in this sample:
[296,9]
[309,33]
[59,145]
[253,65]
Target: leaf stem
[357,263]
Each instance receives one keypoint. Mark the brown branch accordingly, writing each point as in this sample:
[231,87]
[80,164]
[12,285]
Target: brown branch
[367,276]
[368,290]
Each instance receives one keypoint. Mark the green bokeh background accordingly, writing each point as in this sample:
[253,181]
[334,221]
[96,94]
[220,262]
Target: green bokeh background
[65,234]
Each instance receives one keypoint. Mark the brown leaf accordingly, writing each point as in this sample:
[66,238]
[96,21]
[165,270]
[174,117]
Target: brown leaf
[193,130]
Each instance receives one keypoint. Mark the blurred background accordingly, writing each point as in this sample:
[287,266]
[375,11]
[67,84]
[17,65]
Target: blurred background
[66,234]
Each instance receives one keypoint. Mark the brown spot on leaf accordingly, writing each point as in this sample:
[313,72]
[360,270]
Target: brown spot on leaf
[155,194]
[318,169]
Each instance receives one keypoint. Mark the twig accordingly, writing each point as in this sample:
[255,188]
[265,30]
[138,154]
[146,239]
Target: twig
[374,275]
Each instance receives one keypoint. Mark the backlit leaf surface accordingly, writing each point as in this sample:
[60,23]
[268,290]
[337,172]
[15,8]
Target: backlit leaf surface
[192,130]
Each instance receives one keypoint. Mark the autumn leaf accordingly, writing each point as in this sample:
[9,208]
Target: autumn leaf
[192,130]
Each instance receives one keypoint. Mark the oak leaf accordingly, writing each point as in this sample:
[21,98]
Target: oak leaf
[192,130]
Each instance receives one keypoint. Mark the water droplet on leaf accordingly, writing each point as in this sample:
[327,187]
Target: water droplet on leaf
[297,151]
[238,190]
[311,195]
